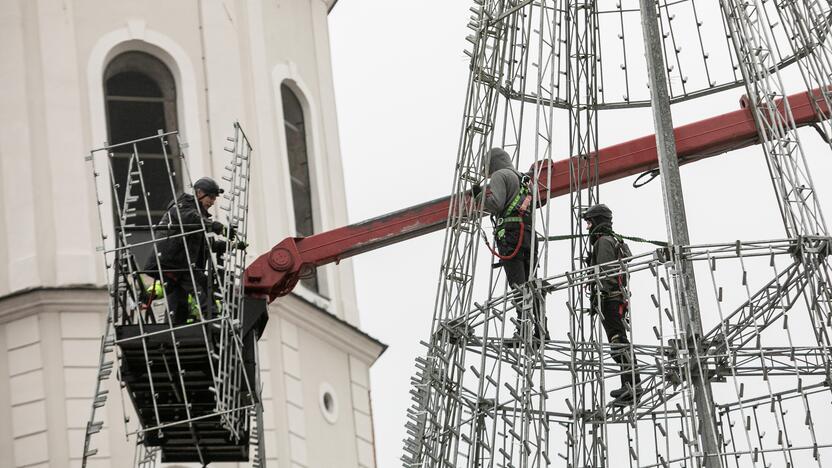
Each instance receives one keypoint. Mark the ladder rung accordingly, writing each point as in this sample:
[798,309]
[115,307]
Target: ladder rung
[94,427]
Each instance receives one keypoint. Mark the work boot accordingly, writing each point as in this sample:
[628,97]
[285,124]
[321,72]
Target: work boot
[540,331]
[629,373]
[514,341]
[522,330]
[542,323]
[541,328]
[517,337]
[626,393]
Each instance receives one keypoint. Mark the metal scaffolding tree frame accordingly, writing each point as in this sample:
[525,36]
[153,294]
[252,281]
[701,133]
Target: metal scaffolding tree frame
[479,402]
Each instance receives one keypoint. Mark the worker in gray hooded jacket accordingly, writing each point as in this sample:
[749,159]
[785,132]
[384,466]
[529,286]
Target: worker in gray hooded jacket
[507,200]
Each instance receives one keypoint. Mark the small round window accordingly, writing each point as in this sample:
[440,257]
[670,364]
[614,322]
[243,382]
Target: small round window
[328,402]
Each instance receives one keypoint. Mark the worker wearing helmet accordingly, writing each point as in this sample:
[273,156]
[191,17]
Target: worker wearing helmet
[507,199]
[187,213]
[610,296]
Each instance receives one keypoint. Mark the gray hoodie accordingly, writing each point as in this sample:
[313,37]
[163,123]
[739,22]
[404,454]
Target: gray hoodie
[504,184]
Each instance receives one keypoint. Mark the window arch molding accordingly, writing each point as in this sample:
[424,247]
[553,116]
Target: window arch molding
[299,129]
[140,94]
[287,74]
[134,36]
[312,149]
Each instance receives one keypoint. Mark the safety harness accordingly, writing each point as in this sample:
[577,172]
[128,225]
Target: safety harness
[514,212]
[517,208]
[622,251]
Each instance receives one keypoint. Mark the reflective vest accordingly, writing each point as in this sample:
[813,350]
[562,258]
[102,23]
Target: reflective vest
[193,307]
[157,291]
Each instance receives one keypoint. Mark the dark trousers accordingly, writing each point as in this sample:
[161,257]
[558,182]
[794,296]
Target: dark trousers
[614,312]
[177,291]
[518,267]
[518,270]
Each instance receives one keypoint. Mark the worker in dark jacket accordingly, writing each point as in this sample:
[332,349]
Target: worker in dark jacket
[508,200]
[183,261]
[610,296]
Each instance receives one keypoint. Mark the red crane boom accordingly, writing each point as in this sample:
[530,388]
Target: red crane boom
[276,273]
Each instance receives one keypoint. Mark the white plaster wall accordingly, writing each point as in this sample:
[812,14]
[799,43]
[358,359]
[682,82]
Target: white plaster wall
[48,364]
[317,354]
[18,153]
[27,392]
[229,58]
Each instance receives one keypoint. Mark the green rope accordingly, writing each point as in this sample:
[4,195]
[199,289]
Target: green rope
[614,234]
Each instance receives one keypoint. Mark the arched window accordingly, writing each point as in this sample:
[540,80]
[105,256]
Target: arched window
[140,95]
[296,147]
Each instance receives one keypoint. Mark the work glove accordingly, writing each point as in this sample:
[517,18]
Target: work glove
[217,227]
[476,190]
[241,245]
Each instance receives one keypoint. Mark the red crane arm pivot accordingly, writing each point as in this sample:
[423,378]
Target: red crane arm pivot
[277,272]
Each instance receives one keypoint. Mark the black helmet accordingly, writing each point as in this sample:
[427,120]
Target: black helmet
[208,186]
[598,211]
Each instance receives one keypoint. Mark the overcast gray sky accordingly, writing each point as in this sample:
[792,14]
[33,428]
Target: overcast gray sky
[400,80]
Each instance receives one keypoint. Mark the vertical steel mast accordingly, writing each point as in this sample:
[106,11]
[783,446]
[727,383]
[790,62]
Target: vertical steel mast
[686,297]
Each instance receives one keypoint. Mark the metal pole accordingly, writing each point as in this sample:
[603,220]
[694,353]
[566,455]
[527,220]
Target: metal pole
[677,230]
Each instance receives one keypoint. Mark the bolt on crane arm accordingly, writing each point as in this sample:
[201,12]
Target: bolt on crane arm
[276,272]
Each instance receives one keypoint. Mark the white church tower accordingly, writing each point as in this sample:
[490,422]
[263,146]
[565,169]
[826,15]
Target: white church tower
[75,74]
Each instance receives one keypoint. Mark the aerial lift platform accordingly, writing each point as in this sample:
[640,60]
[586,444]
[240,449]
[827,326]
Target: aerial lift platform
[149,355]
[193,385]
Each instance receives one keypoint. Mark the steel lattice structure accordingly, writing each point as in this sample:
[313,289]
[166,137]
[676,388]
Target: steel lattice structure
[744,382]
